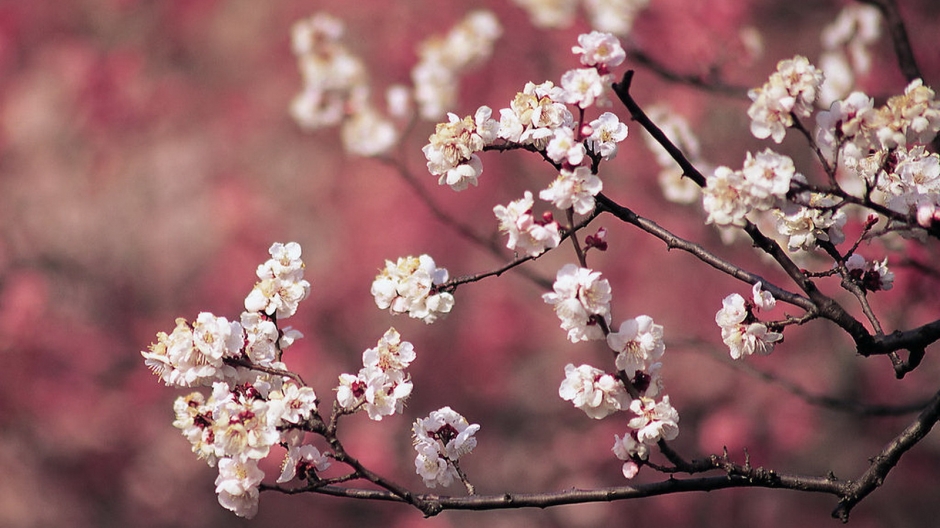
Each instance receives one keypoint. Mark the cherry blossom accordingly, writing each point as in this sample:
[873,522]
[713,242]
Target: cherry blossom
[302,461]
[598,49]
[408,286]
[638,343]
[747,339]
[654,421]
[444,58]
[527,234]
[282,286]
[237,486]
[564,149]
[574,188]
[791,90]
[594,391]
[606,132]
[391,353]
[580,295]
[805,225]
[872,276]
[441,440]
[722,197]
[583,86]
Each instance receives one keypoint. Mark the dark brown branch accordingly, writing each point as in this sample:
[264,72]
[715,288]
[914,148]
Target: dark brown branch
[437,503]
[915,341]
[888,459]
[674,242]
[452,222]
[457,281]
[710,83]
[902,44]
[622,89]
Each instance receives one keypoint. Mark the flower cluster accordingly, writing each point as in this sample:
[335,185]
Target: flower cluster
[639,346]
[236,428]
[760,185]
[251,408]
[282,285]
[539,118]
[410,286]
[740,329]
[653,421]
[805,225]
[581,300]
[336,88]
[381,386]
[451,151]
[207,350]
[870,275]
[440,440]
[790,91]
[442,59]
[881,151]
[594,391]
[527,234]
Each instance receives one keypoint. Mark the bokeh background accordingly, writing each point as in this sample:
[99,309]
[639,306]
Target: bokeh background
[147,161]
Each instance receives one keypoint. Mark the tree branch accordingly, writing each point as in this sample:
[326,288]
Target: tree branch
[888,459]
[674,242]
[902,44]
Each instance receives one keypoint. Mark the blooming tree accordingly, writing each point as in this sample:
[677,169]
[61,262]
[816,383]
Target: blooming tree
[865,199]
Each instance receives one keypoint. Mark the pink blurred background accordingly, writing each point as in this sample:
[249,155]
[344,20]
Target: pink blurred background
[147,161]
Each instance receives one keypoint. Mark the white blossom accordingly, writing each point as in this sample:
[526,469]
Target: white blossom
[606,132]
[237,486]
[594,391]
[527,234]
[911,118]
[301,461]
[762,299]
[733,311]
[444,57]
[298,402]
[723,198]
[408,286]
[614,16]
[367,133]
[391,353]
[380,393]
[282,286]
[767,178]
[872,276]
[549,13]
[579,295]
[599,49]
[564,149]
[654,421]
[440,440]
[791,90]
[804,226]
[534,114]
[638,343]
[628,448]
[575,188]
[193,355]
[747,339]
[583,86]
